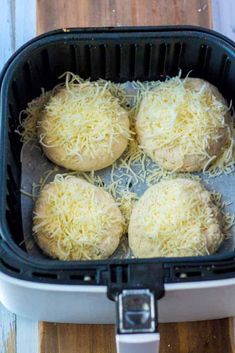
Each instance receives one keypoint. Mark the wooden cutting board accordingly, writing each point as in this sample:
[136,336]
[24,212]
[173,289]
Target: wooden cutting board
[215,336]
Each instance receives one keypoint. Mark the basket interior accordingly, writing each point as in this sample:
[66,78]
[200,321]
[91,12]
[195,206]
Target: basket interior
[120,57]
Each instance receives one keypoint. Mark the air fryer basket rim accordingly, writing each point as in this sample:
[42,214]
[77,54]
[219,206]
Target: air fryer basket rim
[20,264]
[120,29]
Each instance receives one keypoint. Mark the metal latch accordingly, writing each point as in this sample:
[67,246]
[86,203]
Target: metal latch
[136,288]
[136,311]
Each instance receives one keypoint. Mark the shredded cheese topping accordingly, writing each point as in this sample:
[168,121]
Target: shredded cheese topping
[126,203]
[177,218]
[134,167]
[83,117]
[29,117]
[75,219]
[176,115]
[227,218]
[144,168]
[225,163]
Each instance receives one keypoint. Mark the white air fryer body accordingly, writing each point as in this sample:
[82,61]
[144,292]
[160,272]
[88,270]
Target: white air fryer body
[89,304]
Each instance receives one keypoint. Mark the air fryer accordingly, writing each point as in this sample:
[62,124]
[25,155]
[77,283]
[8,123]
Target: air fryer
[138,292]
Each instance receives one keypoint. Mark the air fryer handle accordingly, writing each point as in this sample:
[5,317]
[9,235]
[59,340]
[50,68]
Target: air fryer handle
[136,291]
[138,343]
[137,322]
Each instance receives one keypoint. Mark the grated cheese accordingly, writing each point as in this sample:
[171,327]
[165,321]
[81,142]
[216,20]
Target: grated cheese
[84,117]
[29,117]
[174,218]
[126,203]
[134,167]
[175,115]
[228,219]
[75,219]
[225,163]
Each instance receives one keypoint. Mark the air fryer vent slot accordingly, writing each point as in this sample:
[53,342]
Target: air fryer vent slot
[27,76]
[124,62]
[147,59]
[177,58]
[118,59]
[84,276]
[188,274]
[204,57]
[11,111]
[163,60]
[103,54]
[225,67]
[97,61]
[15,94]
[118,274]
[12,125]
[43,275]
[15,150]
[72,52]
[12,190]
[224,268]
[10,176]
[9,267]
[46,64]
[133,58]
[87,61]
[153,59]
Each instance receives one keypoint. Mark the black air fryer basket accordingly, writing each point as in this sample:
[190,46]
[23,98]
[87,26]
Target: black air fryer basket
[117,54]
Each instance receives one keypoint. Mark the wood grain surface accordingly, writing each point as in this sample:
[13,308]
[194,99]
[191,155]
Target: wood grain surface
[195,337]
[54,14]
[199,337]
